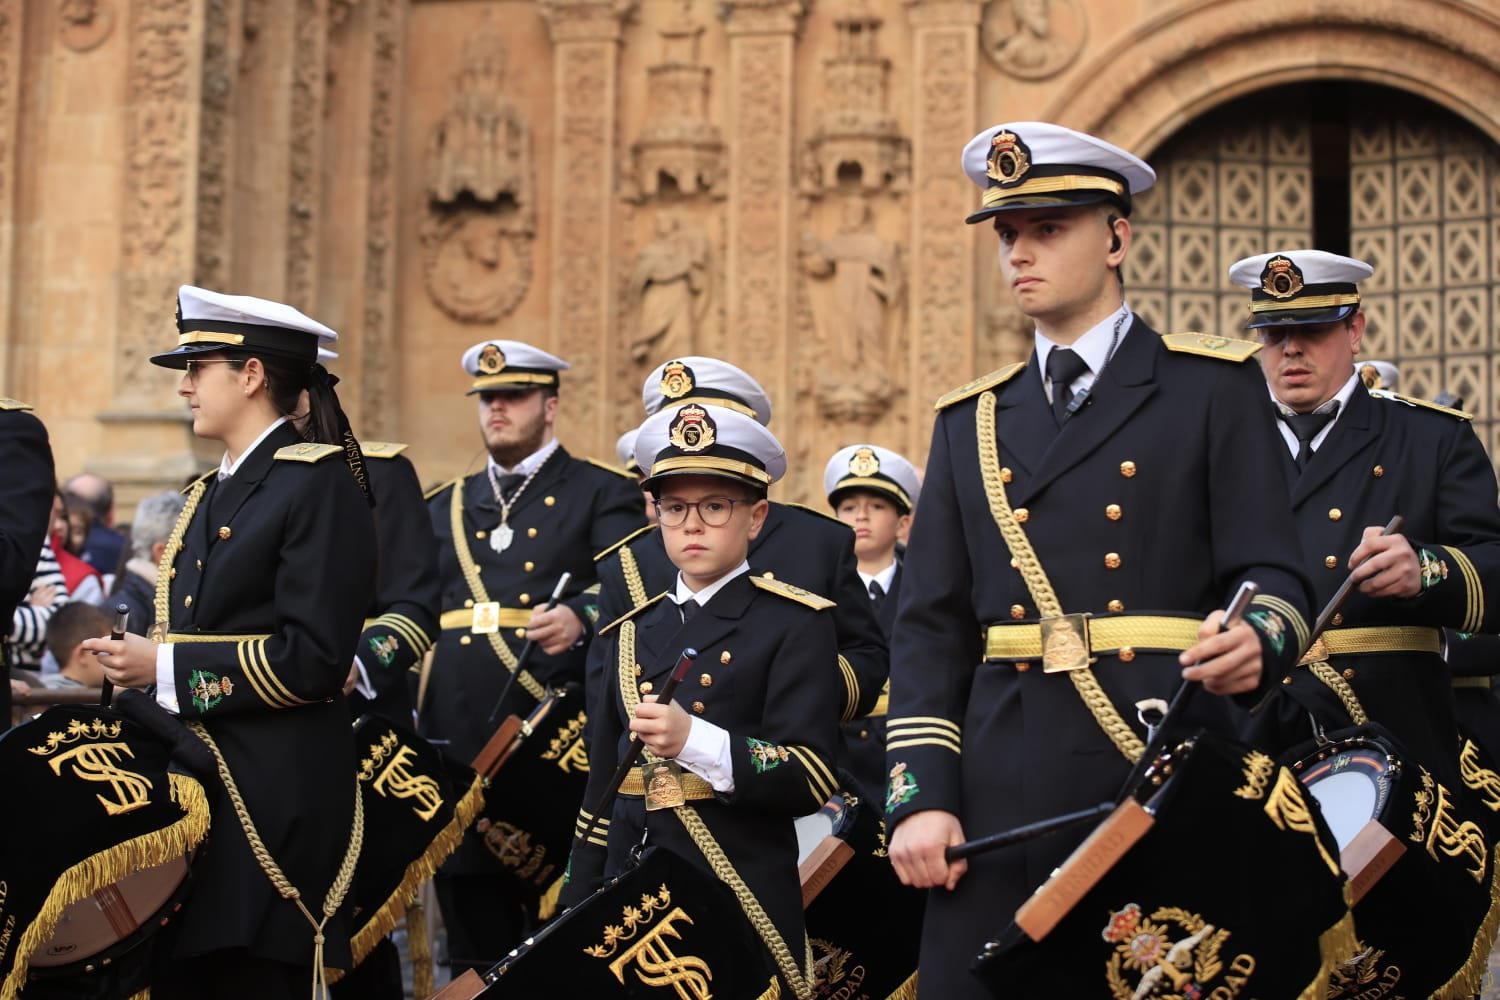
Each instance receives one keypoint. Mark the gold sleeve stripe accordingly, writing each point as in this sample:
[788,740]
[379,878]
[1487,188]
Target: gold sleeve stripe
[251,668]
[408,630]
[1287,611]
[922,720]
[1474,599]
[851,689]
[940,744]
[269,680]
[816,769]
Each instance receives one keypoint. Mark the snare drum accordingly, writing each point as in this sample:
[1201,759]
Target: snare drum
[1353,780]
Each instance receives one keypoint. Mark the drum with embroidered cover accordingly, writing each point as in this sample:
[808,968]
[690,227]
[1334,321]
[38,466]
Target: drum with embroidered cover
[1420,862]
[1232,889]
[417,804]
[664,928]
[106,862]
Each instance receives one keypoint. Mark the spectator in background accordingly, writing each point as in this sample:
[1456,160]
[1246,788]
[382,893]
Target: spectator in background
[76,666]
[135,586]
[104,545]
[83,581]
[28,629]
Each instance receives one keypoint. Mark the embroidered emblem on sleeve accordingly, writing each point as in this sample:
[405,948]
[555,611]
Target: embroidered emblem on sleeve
[903,787]
[766,756]
[384,648]
[1434,570]
[208,690]
[1272,626]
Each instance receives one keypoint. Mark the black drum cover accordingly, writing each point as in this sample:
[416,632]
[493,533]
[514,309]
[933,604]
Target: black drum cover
[662,929]
[104,805]
[1234,892]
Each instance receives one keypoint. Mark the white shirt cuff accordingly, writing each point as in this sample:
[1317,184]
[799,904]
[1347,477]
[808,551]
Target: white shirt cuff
[166,678]
[706,754]
[363,686]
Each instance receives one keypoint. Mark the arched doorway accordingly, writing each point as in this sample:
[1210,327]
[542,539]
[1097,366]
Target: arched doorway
[1355,168]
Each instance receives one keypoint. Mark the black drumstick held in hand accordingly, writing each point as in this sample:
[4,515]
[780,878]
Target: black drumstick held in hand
[117,633]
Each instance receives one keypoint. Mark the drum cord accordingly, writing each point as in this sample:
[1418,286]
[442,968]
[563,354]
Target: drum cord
[282,884]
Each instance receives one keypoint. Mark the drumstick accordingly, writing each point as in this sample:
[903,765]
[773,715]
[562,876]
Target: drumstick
[628,761]
[525,654]
[1030,831]
[1325,617]
[117,633]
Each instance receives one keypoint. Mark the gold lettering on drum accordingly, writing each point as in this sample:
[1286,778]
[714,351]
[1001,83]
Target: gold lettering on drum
[99,762]
[1480,778]
[1446,834]
[10,921]
[575,759]
[1288,810]
[402,784]
[658,966]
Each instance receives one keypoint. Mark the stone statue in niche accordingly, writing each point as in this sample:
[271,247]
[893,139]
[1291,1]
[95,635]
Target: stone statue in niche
[1033,39]
[481,215]
[670,290]
[869,285]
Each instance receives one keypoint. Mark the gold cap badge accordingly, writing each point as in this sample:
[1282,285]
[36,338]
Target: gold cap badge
[1281,279]
[676,380]
[491,359]
[1009,158]
[693,431]
[864,462]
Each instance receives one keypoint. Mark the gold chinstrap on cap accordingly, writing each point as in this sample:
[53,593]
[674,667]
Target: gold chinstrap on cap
[1306,302]
[697,463]
[869,482]
[514,378]
[209,337]
[1047,185]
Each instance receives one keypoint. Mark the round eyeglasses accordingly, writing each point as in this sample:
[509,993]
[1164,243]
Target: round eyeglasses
[712,511]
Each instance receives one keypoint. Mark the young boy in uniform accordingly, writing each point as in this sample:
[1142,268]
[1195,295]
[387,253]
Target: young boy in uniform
[746,745]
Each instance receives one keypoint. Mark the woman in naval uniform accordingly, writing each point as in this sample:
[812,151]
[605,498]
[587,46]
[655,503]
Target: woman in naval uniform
[260,601]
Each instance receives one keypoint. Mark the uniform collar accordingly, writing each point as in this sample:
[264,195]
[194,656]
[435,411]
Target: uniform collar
[530,463]
[1094,346]
[682,593]
[228,468]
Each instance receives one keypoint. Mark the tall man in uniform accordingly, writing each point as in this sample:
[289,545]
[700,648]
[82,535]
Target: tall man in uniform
[25,510]
[532,514]
[1134,467]
[1356,457]
[797,545]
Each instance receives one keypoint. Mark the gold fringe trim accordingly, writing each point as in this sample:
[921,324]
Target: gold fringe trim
[1334,945]
[1469,979]
[906,991]
[144,994]
[385,919]
[547,907]
[773,992]
[110,866]
[419,948]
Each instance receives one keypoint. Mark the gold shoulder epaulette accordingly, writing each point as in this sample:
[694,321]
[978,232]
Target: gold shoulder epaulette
[382,449]
[189,487]
[997,377]
[820,513]
[1425,404]
[440,487]
[1210,346]
[632,612]
[13,404]
[307,452]
[792,593]
[627,474]
[625,541]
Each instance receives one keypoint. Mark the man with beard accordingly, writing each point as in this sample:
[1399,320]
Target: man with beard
[506,535]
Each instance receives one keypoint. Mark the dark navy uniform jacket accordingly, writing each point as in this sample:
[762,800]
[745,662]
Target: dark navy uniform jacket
[25,510]
[1161,495]
[1385,456]
[401,623]
[800,546]
[761,674]
[265,600]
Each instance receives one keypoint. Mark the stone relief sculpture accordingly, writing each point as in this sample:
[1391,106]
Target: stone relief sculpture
[83,24]
[481,217]
[1033,39]
[679,151]
[869,285]
[670,291]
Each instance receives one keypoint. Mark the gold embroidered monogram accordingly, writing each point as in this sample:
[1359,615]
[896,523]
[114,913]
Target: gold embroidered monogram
[1258,771]
[1288,810]
[100,762]
[396,781]
[656,965]
[1436,828]
[1478,777]
[567,746]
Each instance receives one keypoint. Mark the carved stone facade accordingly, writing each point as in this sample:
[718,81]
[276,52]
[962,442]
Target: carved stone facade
[771,181]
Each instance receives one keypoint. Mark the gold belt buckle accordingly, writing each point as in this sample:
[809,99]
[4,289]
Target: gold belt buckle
[1065,643]
[661,781]
[486,617]
[1316,653]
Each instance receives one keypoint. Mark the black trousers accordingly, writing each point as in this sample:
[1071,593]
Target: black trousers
[483,918]
[233,974]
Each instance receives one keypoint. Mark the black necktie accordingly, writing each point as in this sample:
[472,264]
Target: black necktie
[1306,426]
[687,609]
[877,594]
[1063,366]
[509,482]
